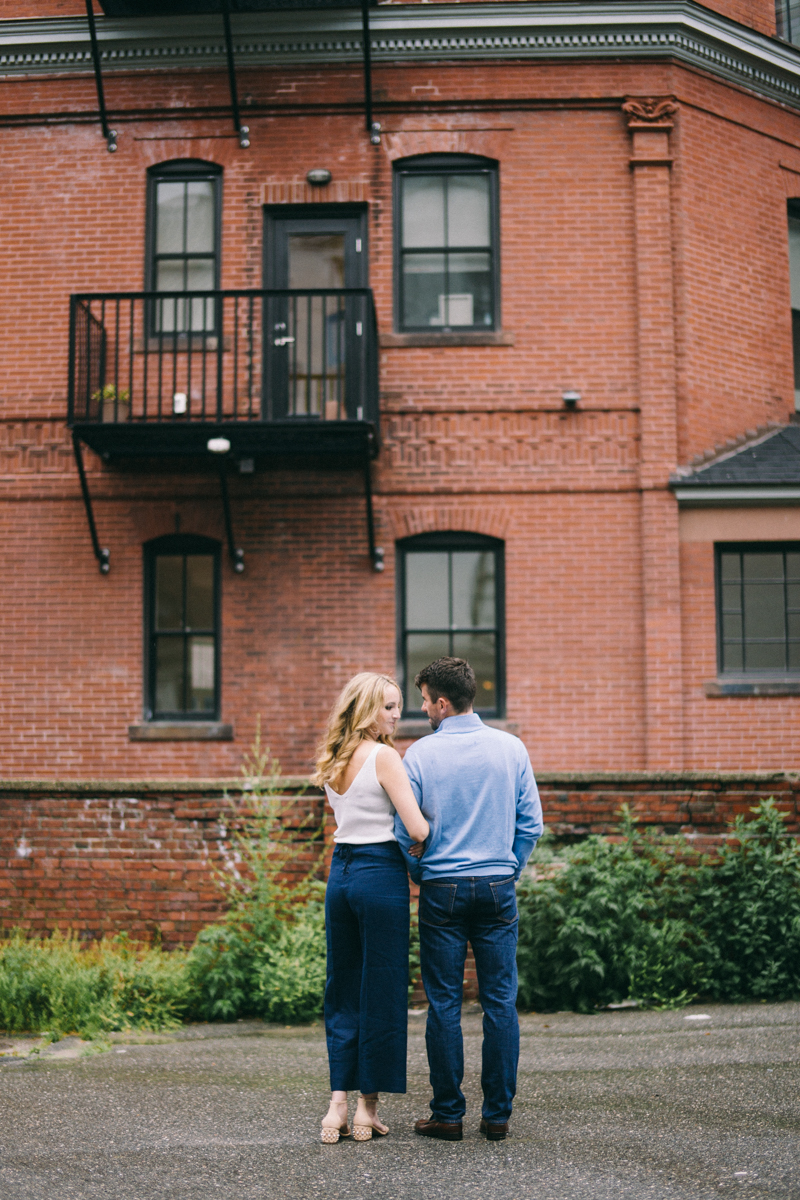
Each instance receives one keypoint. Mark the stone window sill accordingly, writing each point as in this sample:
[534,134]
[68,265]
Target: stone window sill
[717,688]
[395,341]
[180,731]
[417,729]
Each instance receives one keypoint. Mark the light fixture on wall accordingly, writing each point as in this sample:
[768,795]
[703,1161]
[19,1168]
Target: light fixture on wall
[319,177]
[180,403]
[218,445]
[571,399]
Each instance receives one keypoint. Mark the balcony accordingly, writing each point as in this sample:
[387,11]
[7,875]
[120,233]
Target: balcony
[272,373]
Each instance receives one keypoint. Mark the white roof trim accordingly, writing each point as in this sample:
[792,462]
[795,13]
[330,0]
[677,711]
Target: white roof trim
[703,497]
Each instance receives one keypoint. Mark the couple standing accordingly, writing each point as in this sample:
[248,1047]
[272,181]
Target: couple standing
[461,813]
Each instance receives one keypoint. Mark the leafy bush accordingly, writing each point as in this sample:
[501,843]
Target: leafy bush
[637,919]
[61,986]
[267,957]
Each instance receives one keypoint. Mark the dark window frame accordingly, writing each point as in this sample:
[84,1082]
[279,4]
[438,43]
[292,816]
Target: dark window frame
[180,170]
[179,544]
[745,673]
[454,540]
[440,164]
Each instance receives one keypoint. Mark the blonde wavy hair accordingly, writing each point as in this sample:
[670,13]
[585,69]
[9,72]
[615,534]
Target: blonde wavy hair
[351,719]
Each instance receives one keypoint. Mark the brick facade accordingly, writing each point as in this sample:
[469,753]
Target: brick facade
[643,264]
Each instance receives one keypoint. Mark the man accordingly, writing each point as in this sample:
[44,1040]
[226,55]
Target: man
[476,788]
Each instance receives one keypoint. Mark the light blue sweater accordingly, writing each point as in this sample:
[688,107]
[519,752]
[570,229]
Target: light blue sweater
[475,786]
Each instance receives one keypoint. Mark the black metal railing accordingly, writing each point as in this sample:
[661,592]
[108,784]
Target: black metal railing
[223,356]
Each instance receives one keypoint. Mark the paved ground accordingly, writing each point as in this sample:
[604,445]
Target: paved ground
[618,1105]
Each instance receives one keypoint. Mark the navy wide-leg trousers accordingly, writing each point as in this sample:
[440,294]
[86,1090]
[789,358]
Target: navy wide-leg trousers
[366,995]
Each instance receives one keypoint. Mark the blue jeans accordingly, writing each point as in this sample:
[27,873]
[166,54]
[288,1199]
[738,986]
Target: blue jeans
[366,994]
[481,910]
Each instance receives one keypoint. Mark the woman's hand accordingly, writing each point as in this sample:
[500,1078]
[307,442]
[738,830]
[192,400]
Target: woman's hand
[417,850]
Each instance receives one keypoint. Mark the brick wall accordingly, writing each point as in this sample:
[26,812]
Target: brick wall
[475,437]
[98,858]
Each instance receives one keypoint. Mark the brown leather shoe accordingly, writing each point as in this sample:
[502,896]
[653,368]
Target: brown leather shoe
[494,1133]
[448,1131]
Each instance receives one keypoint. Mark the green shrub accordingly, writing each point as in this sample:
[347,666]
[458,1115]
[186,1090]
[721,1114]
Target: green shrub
[62,986]
[635,918]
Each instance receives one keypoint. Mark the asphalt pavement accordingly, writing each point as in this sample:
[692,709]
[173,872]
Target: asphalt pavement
[694,1104]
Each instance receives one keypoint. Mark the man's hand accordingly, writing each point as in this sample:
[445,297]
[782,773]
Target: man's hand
[417,849]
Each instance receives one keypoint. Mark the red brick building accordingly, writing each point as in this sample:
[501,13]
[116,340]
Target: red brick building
[539,316]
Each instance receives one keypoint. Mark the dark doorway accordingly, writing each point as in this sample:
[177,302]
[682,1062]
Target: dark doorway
[315,330]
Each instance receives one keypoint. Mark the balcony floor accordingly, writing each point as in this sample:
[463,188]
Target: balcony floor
[339,440]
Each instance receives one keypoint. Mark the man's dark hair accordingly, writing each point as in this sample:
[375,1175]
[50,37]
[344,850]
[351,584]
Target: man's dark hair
[452,678]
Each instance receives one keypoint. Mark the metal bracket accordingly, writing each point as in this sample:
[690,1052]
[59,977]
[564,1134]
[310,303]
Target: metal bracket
[236,555]
[375,552]
[243,131]
[101,554]
[109,134]
[373,127]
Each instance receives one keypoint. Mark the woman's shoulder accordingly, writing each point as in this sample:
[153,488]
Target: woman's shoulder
[387,754]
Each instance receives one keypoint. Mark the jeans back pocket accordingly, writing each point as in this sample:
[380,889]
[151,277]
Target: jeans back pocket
[505,899]
[436,901]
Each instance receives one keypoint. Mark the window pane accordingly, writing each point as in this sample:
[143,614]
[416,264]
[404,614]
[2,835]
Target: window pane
[170,277]
[424,283]
[732,627]
[792,565]
[169,674]
[316,260]
[427,604]
[468,210]
[169,218]
[479,650]
[421,649]
[471,274]
[473,588]
[201,674]
[763,610]
[794,656]
[763,566]
[730,567]
[793,625]
[765,656]
[200,216]
[199,591]
[200,275]
[732,597]
[732,657]
[794,259]
[169,592]
[423,210]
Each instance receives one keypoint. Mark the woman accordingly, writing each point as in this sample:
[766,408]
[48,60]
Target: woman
[366,903]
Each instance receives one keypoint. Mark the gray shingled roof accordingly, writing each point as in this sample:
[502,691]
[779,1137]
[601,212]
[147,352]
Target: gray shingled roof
[774,459]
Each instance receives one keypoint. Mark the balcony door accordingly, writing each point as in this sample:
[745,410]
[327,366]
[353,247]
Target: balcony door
[315,332]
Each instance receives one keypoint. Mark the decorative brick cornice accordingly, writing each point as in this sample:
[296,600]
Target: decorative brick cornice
[623,30]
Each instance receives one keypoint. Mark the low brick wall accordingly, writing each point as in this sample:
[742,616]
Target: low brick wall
[99,857]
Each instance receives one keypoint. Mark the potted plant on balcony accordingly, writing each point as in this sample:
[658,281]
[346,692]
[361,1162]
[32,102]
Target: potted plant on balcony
[111,403]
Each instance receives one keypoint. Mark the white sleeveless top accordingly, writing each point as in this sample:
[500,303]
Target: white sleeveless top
[364,813]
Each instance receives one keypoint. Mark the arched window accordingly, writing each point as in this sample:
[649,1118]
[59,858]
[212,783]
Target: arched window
[182,644]
[450,602]
[446,243]
[183,243]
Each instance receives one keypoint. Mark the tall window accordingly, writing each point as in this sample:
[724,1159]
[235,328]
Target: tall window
[183,243]
[446,243]
[451,603]
[794,280]
[758,608]
[787,18]
[182,580]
